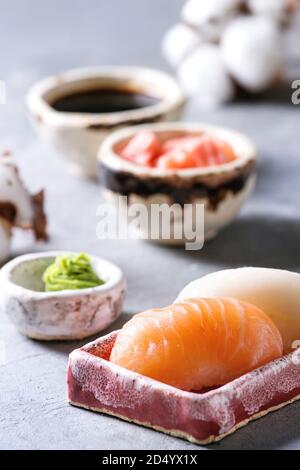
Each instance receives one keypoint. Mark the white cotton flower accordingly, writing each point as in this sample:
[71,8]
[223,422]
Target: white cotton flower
[13,191]
[18,208]
[276,9]
[5,236]
[203,75]
[251,48]
[178,42]
[209,16]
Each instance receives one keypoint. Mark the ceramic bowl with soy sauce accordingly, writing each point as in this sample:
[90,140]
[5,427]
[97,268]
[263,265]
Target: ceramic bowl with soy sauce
[77,109]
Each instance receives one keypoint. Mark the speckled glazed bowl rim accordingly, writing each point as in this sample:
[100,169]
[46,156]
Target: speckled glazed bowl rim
[244,148]
[113,276]
[144,80]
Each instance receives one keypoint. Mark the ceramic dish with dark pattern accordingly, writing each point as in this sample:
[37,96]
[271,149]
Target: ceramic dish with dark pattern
[222,189]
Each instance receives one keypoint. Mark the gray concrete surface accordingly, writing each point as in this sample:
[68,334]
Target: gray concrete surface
[39,38]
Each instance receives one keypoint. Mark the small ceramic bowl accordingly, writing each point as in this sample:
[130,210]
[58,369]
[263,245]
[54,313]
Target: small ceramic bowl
[62,315]
[77,135]
[222,189]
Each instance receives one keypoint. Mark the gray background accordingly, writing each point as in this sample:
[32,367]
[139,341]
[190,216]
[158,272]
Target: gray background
[40,38]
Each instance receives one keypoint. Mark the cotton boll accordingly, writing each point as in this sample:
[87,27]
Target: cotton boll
[209,16]
[202,12]
[251,48]
[203,75]
[5,237]
[19,208]
[13,191]
[178,42]
[277,9]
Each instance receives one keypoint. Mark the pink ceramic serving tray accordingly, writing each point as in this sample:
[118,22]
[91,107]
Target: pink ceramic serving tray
[97,384]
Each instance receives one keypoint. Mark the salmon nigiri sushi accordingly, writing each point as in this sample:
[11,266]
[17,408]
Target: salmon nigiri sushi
[198,343]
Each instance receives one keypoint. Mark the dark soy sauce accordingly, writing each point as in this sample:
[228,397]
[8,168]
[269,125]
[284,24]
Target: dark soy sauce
[103,101]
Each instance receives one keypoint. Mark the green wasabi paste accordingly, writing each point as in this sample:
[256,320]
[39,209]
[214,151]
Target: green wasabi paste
[71,272]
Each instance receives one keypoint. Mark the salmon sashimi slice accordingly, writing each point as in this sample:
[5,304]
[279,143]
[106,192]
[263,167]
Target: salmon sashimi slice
[198,343]
[202,151]
[142,149]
